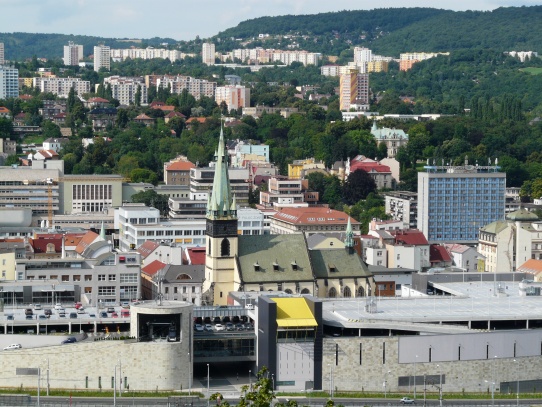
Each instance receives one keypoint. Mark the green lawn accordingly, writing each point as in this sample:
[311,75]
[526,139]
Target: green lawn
[532,70]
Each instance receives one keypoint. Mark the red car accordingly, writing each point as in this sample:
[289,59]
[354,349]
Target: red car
[78,305]
[114,315]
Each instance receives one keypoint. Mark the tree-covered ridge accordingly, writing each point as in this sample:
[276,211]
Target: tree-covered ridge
[351,23]
[19,46]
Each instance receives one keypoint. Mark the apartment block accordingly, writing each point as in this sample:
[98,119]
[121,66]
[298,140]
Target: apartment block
[102,57]
[354,91]
[196,87]
[201,183]
[287,192]
[402,206]
[408,59]
[146,53]
[9,82]
[61,86]
[73,53]
[2,60]
[454,202]
[234,96]
[208,53]
[124,89]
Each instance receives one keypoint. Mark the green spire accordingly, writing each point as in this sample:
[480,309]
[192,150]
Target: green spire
[220,202]
[349,240]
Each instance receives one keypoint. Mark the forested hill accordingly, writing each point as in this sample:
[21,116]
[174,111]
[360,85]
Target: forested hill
[19,46]
[387,31]
[392,31]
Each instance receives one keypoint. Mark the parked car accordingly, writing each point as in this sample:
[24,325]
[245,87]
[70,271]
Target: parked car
[235,319]
[13,346]
[58,306]
[171,335]
[37,306]
[48,311]
[240,327]
[92,315]
[208,328]
[42,316]
[78,305]
[219,327]
[124,313]
[125,304]
[230,327]
[81,310]
[110,309]
[114,315]
[407,400]
[28,311]
[198,328]
[73,315]
[217,320]
[30,316]
[70,339]
[103,314]
[225,320]
[10,317]
[61,311]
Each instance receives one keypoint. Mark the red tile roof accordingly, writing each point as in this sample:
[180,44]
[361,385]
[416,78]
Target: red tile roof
[154,267]
[40,245]
[86,241]
[438,254]
[48,153]
[4,109]
[171,115]
[411,237]
[196,255]
[369,167]
[196,119]
[531,266]
[180,166]
[98,100]
[26,97]
[164,108]
[147,248]
[313,215]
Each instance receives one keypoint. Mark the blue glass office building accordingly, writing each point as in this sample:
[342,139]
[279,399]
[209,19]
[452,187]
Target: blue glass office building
[454,202]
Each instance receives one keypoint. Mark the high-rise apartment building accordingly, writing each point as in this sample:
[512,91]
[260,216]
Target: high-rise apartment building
[2,53]
[234,96]
[354,90]
[454,202]
[73,53]
[9,82]
[61,86]
[124,89]
[362,55]
[208,53]
[102,57]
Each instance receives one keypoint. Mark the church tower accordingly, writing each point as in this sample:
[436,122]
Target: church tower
[221,233]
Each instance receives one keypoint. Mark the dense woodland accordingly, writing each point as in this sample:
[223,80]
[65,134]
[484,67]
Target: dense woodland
[492,104]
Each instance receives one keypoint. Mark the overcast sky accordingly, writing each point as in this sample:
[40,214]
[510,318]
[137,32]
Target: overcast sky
[184,19]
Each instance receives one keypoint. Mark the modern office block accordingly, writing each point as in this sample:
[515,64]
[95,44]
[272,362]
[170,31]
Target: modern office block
[454,202]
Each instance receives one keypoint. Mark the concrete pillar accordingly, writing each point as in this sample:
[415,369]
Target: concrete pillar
[70,327]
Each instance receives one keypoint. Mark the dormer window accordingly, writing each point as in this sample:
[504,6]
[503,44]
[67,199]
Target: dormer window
[332,268]
[294,266]
[256,267]
[275,266]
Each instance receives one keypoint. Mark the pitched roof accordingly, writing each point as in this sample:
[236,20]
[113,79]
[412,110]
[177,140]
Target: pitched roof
[196,255]
[4,109]
[143,116]
[313,215]
[147,248]
[271,258]
[339,263]
[89,238]
[438,254]
[180,166]
[495,227]
[411,237]
[170,115]
[457,248]
[97,100]
[184,273]
[164,108]
[40,245]
[522,215]
[369,167]
[196,119]
[531,266]
[153,267]
[48,153]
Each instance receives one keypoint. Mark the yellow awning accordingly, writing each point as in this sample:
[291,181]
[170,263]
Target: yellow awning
[293,313]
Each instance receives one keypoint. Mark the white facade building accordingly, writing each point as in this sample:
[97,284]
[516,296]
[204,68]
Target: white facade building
[124,89]
[102,57]
[61,86]
[2,53]
[196,87]
[73,53]
[208,53]
[9,82]
[146,53]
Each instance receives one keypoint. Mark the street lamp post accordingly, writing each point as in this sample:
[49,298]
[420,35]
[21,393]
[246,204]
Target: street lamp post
[189,375]
[47,377]
[492,391]
[415,361]
[385,382]
[208,393]
[115,387]
[273,380]
[249,380]
[440,385]
[39,380]
[517,382]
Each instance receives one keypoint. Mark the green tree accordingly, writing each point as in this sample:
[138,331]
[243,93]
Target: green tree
[126,165]
[358,185]
[260,393]
[137,96]
[144,175]
[151,198]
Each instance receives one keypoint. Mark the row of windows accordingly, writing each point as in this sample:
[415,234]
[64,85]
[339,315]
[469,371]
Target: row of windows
[84,192]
